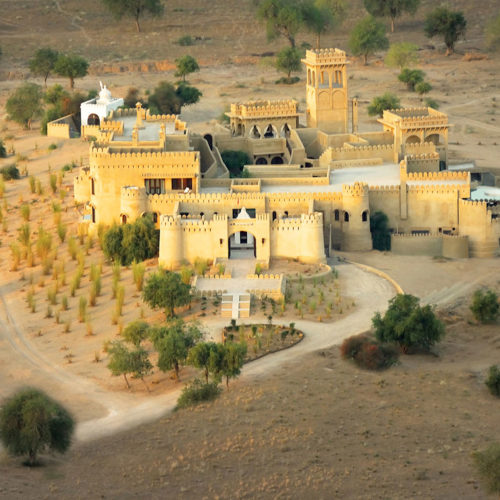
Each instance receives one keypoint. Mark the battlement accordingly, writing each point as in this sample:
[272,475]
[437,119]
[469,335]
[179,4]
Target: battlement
[356,189]
[264,109]
[443,175]
[435,188]
[369,148]
[415,118]
[132,193]
[167,157]
[112,126]
[316,57]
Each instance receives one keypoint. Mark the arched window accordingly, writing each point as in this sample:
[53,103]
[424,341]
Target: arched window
[364,216]
[93,215]
[336,215]
[93,119]
[346,216]
[92,186]
[274,215]
[254,132]
[124,219]
[269,133]
[261,161]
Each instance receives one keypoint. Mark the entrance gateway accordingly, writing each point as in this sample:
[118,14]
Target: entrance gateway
[242,244]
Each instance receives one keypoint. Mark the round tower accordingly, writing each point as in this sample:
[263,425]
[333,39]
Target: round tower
[171,255]
[133,203]
[355,217]
[312,249]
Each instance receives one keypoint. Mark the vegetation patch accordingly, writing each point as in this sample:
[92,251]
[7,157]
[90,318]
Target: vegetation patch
[262,339]
[369,354]
[197,392]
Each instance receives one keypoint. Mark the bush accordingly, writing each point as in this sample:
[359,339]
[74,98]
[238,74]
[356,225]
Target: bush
[128,242]
[381,103]
[493,380]
[408,324]
[431,103]
[52,147]
[3,151]
[31,422]
[235,161]
[367,353]
[197,392]
[411,77]
[488,465]
[10,172]
[485,306]
[185,41]
[423,88]
[379,228]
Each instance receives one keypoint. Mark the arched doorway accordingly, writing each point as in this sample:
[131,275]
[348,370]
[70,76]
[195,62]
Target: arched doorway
[269,133]
[413,139]
[210,140]
[124,219]
[93,119]
[255,132]
[277,160]
[242,245]
[261,161]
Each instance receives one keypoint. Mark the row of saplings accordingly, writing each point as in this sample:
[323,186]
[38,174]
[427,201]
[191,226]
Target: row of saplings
[409,327]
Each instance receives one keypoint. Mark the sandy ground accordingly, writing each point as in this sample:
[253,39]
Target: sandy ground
[300,423]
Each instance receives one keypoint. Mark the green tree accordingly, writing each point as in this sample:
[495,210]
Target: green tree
[123,361]
[282,17]
[367,37]
[25,104]
[3,151]
[492,33]
[451,25]
[391,8]
[379,227]
[164,100]
[132,98]
[200,356]
[485,307]
[401,55]
[31,423]
[128,242]
[134,9]
[318,18]
[488,465]
[383,102]
[165,289]
[235,161]
[43,62]
[411,77]
[187,94]
[172,343]
[136,332]
[71,66]
[185,66]
[288,61]
[232,360]
[408,324]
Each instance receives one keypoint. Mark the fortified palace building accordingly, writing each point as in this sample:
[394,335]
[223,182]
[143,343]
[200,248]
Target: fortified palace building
[311,189]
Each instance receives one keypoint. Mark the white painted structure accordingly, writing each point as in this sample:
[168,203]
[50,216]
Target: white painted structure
[94,110]
[242,239]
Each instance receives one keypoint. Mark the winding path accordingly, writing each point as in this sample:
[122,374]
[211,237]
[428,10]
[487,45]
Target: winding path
[369,291]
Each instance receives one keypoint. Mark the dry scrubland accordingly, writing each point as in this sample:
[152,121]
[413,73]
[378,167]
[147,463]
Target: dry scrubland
[314,428]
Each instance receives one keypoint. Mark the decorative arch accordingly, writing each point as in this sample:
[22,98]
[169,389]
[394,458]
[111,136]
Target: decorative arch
[433,138]
[255,132]
[261,161]
[270,132]
[277,160]
[324,99]
[338,99]
[93,119]
[285,130]
[413,139]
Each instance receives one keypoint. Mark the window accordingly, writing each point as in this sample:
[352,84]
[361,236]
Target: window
[285,213]
[236,212]
[181,184]
[251,212]
[337,214]
[243,237]
[364,216]
[93,214]
[155,186]
[92,185]
[155,217]
[274,215]
[346,216]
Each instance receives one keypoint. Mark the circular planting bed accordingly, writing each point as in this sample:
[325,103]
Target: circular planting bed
[262,339]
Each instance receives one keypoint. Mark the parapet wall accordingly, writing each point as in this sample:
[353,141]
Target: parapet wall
[264,109]
[434,245]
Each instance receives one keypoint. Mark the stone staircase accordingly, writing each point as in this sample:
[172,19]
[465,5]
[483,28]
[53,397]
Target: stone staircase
[235,305]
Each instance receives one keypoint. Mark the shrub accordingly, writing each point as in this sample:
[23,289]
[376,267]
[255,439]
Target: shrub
[197,392]
[485,306]
[138,271]
[379,228]
[52,147]
[31,422]
[10,172]
[401,55]
[367,353]
[3,151]
[235,161]
[493,380]
[381,103]
[185,41]
[488,465]
[408,324]
[431,103]
[411,77]
[200,266]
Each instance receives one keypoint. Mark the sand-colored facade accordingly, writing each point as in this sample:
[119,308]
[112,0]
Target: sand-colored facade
[311,191]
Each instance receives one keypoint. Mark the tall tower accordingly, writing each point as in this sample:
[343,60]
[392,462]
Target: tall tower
[327,105]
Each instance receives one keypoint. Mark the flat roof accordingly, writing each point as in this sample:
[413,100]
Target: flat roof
[150,132]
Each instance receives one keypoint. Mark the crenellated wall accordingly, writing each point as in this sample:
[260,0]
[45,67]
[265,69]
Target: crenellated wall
[434,245]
